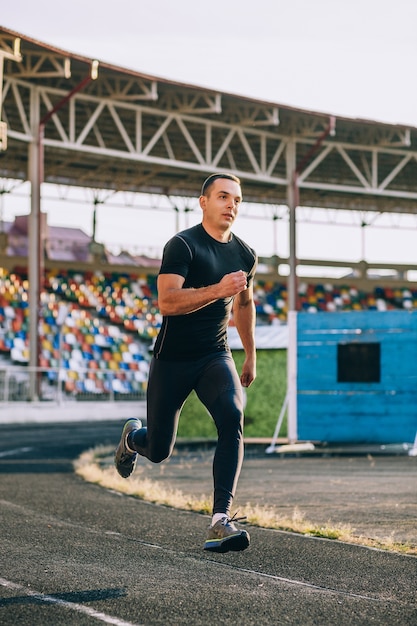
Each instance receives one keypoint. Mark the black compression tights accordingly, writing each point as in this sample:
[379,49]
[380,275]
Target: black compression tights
[217,384]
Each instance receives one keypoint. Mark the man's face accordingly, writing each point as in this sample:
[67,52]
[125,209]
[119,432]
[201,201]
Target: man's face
[221,205]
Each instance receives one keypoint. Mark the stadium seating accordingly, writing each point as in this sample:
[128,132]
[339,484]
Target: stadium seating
[271,299]
[111,319]
[101,346]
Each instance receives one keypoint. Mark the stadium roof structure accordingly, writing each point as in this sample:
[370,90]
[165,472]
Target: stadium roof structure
[128,131]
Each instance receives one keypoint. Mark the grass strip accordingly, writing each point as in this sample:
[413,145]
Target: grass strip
[96,466]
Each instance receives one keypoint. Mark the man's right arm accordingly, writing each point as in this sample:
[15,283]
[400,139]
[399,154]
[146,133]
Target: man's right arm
[174,300]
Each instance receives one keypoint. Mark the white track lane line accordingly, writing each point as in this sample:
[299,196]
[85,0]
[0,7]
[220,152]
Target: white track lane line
[14,452]
[301,583]
[73,606]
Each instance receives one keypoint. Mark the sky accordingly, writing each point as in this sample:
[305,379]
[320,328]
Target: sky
[353,58]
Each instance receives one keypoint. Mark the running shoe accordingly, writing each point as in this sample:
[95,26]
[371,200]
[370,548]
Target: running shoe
[125,458]
[225,537]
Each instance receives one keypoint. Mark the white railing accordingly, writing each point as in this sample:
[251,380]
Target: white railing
[20,384]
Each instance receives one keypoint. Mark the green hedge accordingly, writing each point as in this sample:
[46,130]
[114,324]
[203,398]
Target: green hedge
[264,400]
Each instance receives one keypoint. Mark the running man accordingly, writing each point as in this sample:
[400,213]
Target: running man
[206,275]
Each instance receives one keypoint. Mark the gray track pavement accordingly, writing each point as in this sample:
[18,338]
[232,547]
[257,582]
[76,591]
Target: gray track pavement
[74,553]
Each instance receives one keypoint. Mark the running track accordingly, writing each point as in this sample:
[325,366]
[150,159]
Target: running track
[74,553]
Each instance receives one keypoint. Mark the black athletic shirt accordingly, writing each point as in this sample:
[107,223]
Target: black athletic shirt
[202,261]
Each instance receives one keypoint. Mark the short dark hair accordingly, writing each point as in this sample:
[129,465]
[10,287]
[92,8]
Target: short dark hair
[210,180]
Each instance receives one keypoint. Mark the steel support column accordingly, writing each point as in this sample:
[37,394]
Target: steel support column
[36,247]
[293,172]
[292,201]
[34,242]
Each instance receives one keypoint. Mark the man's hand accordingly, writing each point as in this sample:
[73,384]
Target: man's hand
[248,372]
[232,284]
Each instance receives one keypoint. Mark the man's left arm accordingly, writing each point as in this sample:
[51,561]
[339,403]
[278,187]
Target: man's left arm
[244,315]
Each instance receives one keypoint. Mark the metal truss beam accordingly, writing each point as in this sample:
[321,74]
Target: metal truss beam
[187,135]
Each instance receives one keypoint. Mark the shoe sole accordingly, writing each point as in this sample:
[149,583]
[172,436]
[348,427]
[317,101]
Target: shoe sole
[123,471]
[126,472]
[235,543]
